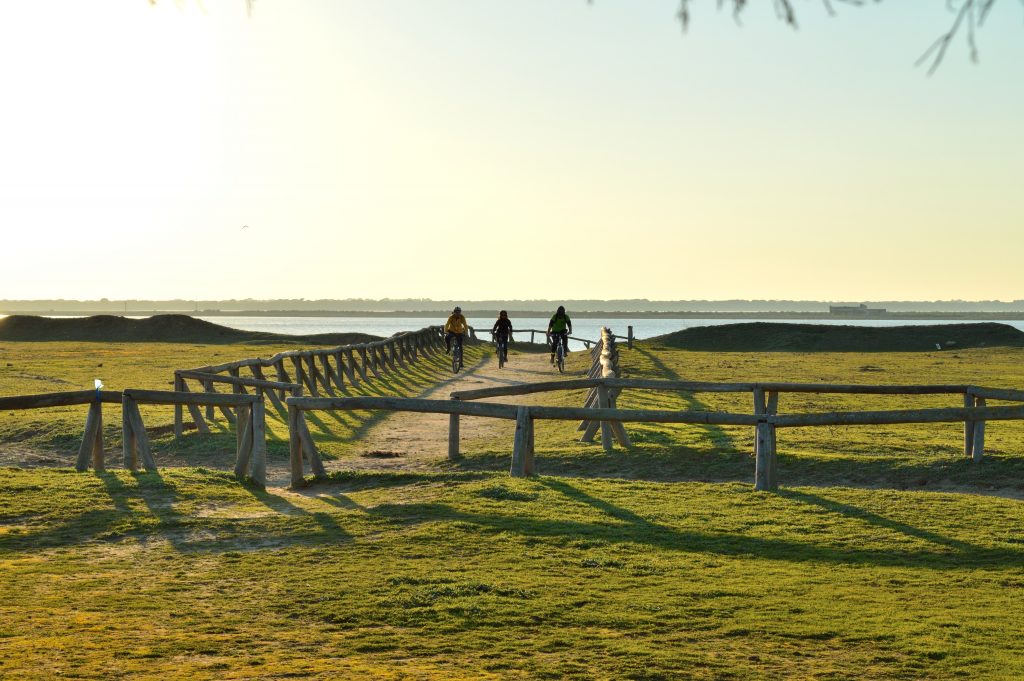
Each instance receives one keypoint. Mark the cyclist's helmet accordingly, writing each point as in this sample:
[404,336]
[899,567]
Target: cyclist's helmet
[561,309]
[458,309]
[503,313]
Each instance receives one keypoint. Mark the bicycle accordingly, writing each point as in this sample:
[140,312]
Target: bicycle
[559,353]
[456,357]
[501,350]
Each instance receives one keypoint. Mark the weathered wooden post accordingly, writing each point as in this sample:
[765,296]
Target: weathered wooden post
[98,463]
[606,429]
[763,464]
[295,447]
[528,465]
[179,421]
[282,375]
[128,445]
[453,436]
[259,443]
[978,450]
[629,337]
[763,437]
[243,441]
[92,440]
[519,444]
[772,410]
[208,387]
[968,426]
[135,440]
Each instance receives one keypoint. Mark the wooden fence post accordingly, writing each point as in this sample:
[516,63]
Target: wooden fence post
[453,437]
[978,450]
[197,414]
[528,465]
[629,337]
[128,444]
[259,443]
[316,465]
[968,426]
[92,440]
[282,376]
[606,428]
[519,444]
[179,421]
[142,446]
[764,437]
[243,441]
[763,463]
[295,447]
[210,409]
[773,465]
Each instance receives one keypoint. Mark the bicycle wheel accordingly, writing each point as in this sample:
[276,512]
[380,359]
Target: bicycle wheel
[456,360]
[561,360]
[501,358]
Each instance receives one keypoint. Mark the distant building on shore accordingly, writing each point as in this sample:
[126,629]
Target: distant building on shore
[861,310]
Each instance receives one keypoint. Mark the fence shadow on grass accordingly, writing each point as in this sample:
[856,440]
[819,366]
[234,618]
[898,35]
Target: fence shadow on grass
[631,528]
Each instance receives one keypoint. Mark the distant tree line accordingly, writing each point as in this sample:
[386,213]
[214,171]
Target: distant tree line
[410,305]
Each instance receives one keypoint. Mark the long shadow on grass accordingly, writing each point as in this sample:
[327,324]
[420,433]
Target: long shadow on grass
[114,523]
[323,528]
[851,511]
[719,437]
[635,529]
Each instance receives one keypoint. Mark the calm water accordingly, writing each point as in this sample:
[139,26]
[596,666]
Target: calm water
[582,328]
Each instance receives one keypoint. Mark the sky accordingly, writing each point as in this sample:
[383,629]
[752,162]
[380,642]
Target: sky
[506,149]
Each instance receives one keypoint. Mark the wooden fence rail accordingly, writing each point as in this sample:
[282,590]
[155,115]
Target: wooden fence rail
[316,372]
[251,437]
[974,413]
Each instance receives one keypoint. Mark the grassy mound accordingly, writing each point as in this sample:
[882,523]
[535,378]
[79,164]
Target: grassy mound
[165,328]
[779,337]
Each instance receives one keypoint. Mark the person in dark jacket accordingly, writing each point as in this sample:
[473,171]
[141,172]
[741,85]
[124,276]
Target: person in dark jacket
[502,331]
[559,329]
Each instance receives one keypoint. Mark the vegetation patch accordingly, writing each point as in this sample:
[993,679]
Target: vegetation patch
[785,337]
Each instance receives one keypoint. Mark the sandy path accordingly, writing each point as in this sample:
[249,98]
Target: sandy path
[413,441]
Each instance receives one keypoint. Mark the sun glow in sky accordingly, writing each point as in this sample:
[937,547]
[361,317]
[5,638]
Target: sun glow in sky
[505,149]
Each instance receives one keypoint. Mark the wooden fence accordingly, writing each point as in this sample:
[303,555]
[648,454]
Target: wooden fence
[766,417]
[251,435]
[315,371]
[92,443]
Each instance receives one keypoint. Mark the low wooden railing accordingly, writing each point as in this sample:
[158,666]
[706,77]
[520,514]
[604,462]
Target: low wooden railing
[250,437]
[315,371]
[92,443]
[973,414]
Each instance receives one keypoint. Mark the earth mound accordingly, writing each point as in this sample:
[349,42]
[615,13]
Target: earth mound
[778,337]
[165,328]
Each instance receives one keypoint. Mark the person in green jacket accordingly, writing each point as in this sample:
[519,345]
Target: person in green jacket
[559,329]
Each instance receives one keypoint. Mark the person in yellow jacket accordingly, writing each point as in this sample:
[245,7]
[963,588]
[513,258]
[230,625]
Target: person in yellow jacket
[456,328]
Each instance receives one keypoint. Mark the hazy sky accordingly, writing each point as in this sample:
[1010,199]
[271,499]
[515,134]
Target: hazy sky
[505,149]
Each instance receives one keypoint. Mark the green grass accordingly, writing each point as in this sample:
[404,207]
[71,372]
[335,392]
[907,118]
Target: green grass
[657,562]
[188,574]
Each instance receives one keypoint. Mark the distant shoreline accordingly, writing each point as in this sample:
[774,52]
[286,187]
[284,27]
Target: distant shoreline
[427,314]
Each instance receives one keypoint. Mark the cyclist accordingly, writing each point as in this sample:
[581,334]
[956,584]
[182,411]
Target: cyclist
[559,329]
[456,328]
[502,331]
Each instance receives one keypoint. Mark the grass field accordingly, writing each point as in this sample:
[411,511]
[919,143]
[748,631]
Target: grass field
[885,555]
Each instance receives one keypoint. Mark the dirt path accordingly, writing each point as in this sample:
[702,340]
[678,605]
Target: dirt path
[412,441]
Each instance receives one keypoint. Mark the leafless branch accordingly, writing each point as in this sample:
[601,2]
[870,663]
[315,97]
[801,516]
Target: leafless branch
[970,16]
